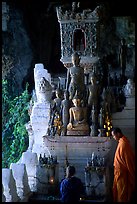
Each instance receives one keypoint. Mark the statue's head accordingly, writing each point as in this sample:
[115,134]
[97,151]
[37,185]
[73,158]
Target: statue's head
[75,59]
[129,81]
[76,100]
[66,94]
[58,92]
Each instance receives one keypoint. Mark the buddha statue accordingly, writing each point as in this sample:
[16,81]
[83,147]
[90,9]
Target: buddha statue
[78,119]
[65,105]
[129,88]
[94,92]
[75,78]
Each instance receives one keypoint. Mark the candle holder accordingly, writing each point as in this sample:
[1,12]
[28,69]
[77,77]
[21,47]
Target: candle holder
[102,132]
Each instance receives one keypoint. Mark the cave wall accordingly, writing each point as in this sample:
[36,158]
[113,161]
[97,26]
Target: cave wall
[33,36]
[16,44]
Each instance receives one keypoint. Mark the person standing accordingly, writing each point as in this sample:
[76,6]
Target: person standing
[71,187]
[124,168]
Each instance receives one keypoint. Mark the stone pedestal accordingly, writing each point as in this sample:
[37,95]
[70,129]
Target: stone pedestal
[31,161]
[9,186]
[50,181]
[3,196]
[95,180]
[39,121]
[21,179]
[78,132]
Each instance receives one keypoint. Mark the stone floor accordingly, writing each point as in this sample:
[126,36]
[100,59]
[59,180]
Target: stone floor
[55,199]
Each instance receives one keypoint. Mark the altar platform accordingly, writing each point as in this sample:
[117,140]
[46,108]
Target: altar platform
[76,150]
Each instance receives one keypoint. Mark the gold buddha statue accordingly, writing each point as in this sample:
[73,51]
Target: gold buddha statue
[78,119]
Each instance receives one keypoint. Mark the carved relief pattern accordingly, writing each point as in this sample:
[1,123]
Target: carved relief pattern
[66,40]
[86,14]
[67,30]
[94,39]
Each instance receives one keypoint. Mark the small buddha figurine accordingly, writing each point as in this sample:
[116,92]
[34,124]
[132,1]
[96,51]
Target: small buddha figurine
[55,114]
[129,89]
[94,92]
[78,119]
[101,118]
[57,101]
[65,106]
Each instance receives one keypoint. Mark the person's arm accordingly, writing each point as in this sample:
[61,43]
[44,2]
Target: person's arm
[61,188]
[71,115]
[70,125]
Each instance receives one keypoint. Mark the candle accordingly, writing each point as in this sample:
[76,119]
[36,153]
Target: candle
[51,180]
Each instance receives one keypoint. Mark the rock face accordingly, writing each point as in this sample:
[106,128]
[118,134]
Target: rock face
[16,44]
[31,35]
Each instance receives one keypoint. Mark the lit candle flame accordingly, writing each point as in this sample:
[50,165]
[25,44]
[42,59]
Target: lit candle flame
[51,180]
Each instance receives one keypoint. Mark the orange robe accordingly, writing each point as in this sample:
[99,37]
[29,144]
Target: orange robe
[124,171]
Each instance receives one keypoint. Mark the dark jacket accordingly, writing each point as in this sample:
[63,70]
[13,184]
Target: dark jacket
[71,189]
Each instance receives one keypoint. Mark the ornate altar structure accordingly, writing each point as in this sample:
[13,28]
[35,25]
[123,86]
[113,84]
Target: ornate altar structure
[69,149]
[95,176]
[79,32]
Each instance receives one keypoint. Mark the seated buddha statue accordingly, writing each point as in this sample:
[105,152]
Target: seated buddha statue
[78,119]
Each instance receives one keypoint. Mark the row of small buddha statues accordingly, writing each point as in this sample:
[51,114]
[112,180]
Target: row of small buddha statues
[47,161]
[80,109]
[83,108]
